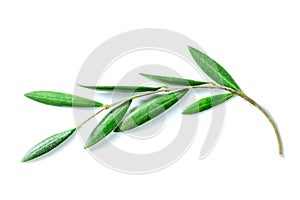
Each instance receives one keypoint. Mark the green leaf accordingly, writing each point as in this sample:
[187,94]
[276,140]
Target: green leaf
[172,80]
[215,71]
[47,145]
[107,124]
[61,99]
[122,88]
[150,110]
[207,103]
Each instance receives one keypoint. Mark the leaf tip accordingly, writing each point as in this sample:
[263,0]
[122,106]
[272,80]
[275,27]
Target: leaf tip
[98,104]
[80,85]
[28,94]
[27,158]
[193,51]
[191,48]
[185,112]
[89,143]
[84,86]
[143,74]
[24,160]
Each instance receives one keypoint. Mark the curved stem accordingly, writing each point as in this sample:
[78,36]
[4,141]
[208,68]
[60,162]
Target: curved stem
[207,86]
[254,103]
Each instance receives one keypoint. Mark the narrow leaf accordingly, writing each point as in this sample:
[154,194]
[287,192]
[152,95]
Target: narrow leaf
[214,70]
[150,110]
[61,99]
[207,103]
[47,145]
[172,80]
[107,124]
[122,88]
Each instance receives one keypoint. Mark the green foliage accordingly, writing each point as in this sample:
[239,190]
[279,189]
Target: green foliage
[47,145]
[150,110]
[130,89]
[61,99]
[213,69]
[108,124]
[207,103]
[119,119]
[172,80]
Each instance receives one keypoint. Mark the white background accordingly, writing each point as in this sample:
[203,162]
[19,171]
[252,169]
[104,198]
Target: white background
[43,45]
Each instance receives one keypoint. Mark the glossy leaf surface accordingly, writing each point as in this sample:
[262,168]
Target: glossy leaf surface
[214,70]
[47,145]
[207,103]
[150,110]
[172,80]
[122,88]
[107,124]
[61,99]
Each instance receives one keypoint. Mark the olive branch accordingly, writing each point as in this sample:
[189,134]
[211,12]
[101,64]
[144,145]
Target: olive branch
[120,118]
